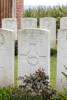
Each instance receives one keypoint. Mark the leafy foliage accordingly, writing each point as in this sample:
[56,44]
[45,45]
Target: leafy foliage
[16,94]
[38,84]
[64,95]
[65,74]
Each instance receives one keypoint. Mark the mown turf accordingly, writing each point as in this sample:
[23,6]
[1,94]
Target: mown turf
[16,71]
[53,64]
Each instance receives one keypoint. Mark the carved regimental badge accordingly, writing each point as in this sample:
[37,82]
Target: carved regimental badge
[1,39]
[32,58]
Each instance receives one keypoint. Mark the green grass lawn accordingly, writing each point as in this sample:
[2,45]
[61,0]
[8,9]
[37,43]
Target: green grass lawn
[52,71]
[16,71]
[53,65]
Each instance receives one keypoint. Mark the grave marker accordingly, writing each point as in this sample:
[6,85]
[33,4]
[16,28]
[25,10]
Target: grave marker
[6,58]
[49,23]
[10,24]
[29,23]
[33,51]
[61,59]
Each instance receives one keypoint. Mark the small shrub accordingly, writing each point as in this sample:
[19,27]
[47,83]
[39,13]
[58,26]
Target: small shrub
[17,94]
[38,84]
[64,95]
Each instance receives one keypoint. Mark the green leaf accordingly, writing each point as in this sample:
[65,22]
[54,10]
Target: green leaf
[64,75]
[63,95]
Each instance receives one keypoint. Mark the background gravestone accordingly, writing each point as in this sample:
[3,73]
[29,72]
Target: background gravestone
[49,23]
[63,23]
[6,58]
[33,51]
[61,59]
[10,23]
[29,23]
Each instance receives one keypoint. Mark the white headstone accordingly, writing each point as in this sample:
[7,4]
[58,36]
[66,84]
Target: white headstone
[61,59]
[10,24]
[6,58]
[49,23]
[28,23]
[63,23]
[33,51]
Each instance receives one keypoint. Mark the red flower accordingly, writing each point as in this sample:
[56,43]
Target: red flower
[39,73]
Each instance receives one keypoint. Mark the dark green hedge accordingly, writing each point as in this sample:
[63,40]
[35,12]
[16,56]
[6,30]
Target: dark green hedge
[16,48]
[53,52]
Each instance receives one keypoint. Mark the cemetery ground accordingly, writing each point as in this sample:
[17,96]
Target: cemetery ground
[53,64]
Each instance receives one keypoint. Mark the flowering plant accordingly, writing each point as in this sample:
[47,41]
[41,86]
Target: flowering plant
[38,84]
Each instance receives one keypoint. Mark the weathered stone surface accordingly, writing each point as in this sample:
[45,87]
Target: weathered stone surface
[61,59]
[49,23]
[33,51]
[10,24]
[6,58]
[63,23]
[29,23]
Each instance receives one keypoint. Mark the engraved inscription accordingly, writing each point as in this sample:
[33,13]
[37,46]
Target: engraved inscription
[1,39]
[32,58]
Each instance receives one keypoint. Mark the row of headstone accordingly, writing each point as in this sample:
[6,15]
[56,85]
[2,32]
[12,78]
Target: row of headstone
[45,23]
[11,24]
[28,40]
[33,53]
[48,23]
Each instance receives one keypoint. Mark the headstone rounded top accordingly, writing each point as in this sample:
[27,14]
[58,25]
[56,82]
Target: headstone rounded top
[34,29]
[61,30]
[2,30]
[63,18]
[10,19]
[28,23]
[29,18]
[48,18]
[10,24]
